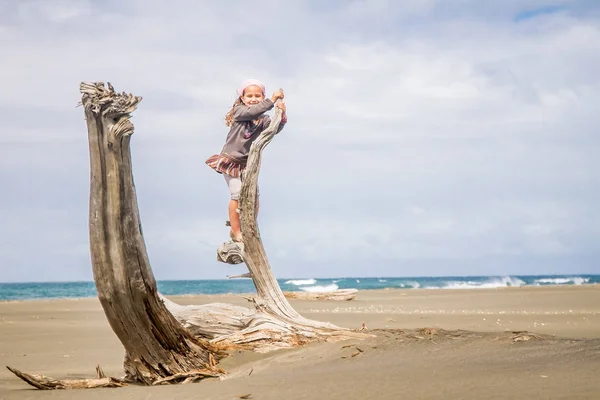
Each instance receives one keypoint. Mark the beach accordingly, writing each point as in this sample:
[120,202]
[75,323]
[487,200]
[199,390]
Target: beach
[427,344]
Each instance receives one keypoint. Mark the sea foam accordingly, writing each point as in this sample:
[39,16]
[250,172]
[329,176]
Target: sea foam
[320,289]
[576,280]
[300,282]
[491,283]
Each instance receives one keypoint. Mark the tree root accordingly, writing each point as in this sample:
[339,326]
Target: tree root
[187,377]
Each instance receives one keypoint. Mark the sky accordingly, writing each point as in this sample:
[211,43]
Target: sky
[425,137]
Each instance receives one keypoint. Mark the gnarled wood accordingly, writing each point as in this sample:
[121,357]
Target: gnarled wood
[234,326]
[276,323]
[47,383]
[271,297]
[157,347]
[210,320]
[155,344]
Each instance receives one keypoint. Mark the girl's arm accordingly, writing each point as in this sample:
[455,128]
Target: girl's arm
[248,113]
[267,119]
[281,105]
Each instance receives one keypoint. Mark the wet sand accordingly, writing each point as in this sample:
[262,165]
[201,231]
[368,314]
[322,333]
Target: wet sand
[468,350]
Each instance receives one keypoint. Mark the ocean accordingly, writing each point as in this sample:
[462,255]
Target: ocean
[55,290]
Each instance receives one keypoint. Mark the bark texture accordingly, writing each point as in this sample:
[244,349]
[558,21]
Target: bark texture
[157,348]
[275,324]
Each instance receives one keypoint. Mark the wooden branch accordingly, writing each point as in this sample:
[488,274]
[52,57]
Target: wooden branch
[254,255]
[187,377]
[246,275]
[339,295]
[271,299]
[47,383]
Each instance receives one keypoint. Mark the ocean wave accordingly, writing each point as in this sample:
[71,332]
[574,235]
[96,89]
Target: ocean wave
[413,285]
[300,282]
[491,283]
[576,280]
[321,289]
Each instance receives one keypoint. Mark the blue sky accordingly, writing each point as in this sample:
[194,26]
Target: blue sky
[425,137]
[537,12]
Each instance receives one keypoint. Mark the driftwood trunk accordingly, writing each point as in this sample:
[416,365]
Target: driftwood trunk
[156,345]
[157,348]
[276,323]
[270,297]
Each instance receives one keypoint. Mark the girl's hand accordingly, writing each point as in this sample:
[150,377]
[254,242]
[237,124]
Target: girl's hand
[277,95]
[281,105]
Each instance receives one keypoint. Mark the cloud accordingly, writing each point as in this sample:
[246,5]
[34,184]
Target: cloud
[445,134]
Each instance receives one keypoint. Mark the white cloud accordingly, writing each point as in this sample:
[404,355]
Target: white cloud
[441,130]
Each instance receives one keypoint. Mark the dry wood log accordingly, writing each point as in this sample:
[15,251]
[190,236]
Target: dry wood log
[339,295]
[157,347]
[46,383]
[212,320]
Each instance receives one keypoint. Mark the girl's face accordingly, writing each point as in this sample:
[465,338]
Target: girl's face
[252,95]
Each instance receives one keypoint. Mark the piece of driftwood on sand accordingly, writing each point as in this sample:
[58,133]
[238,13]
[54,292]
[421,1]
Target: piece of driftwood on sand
[164,342]
[340,295]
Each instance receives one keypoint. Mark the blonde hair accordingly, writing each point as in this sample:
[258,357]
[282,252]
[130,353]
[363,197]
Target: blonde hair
[229,115]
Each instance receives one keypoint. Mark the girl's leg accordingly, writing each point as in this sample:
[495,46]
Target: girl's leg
[234,184]
[234,220]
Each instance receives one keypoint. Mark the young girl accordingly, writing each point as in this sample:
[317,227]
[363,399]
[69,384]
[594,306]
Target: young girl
[246,120]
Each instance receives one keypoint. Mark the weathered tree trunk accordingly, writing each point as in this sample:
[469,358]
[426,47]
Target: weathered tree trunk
[157,348]
[276,324]
[270,297]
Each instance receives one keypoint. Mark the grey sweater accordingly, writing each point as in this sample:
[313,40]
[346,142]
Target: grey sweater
[248,123]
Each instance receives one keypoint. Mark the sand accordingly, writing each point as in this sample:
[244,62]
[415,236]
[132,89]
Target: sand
[468,352]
